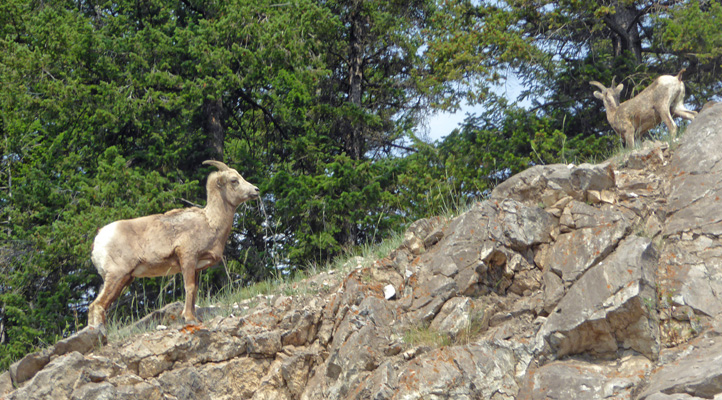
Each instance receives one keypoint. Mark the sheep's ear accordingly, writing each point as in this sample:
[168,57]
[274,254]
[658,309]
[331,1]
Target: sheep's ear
[619,88]
[221,180]
[599,95]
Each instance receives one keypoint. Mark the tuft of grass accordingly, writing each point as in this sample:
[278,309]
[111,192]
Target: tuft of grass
[423,335]
[477,325]
[120,329]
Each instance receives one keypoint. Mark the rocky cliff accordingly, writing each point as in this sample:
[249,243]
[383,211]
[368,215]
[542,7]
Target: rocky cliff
[571,282]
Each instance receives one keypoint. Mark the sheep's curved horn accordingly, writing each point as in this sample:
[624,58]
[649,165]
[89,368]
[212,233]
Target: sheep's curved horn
[217,164]
[599,85]
[679,75]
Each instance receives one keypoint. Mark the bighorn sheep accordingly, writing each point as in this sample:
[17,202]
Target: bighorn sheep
[659,102]
[183,241]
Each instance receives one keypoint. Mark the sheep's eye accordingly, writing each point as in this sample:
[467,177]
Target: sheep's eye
[234,182]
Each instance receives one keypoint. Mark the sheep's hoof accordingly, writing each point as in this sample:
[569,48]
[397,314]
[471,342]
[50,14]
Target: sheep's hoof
[192,320]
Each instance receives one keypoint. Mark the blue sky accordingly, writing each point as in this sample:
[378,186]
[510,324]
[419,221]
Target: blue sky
[441,124]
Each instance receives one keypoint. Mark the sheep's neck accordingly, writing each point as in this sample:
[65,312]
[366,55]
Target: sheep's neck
[220,215]
[611,111]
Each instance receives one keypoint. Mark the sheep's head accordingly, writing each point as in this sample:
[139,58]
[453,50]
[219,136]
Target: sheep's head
[609,95]
[231,185]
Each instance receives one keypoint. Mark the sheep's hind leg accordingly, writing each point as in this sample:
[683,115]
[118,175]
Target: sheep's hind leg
[112,288]
[684,113]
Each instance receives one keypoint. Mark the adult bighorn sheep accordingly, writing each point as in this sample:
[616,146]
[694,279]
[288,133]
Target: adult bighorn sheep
[183,241]
[659,102]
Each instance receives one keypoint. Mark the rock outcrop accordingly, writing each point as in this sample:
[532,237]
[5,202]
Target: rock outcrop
[570,282]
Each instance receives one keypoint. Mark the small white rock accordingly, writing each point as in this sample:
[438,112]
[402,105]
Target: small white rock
[389,292]
[161,327]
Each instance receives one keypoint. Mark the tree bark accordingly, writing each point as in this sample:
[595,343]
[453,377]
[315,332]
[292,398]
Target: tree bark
[624,24]
[213,114]
[357,36]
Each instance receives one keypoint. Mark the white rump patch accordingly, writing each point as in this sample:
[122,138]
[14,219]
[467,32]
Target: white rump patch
[101,244]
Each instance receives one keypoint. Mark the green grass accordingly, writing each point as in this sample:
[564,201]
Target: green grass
[423,335]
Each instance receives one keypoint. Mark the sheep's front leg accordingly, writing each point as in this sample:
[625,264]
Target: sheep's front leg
[627,132]
[671,126]
[190,280]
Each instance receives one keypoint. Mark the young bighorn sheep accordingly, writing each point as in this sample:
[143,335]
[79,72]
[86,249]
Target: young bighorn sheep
[659,102]
[183,241]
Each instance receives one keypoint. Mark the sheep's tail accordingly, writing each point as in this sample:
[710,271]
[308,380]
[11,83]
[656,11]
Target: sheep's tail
[679,75]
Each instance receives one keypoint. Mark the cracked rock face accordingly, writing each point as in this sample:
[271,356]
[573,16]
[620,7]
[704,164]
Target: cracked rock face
[570,282]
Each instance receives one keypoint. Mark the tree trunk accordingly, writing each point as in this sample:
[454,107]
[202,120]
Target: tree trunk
[624,23]
[213,113]
[354,141]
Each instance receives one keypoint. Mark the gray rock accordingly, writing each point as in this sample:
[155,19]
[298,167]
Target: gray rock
[55,381]
[524,226]
[265,344]
[693,272]
[83,341]
[550,183]
[299,327]
[553,290]
[478,371]
[575,252]
[576,379]
[696,186]
[295,371]
[650,154]
[29,365]
[611,307]
[95,391]
[235,379]
[454,316]
[6,383]
[697,373]
[184,382]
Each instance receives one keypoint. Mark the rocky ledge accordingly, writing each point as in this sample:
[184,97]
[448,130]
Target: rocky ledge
[570,282]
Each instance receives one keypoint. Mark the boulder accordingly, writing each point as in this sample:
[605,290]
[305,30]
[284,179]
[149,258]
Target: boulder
[573,253]
[550,183]
[691,262]
[611,307]
[265,344]
[235,379]
[453,317]
[577,379]
[83,341]
[476,371]
[698,372]
[29,365]
[55,381]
